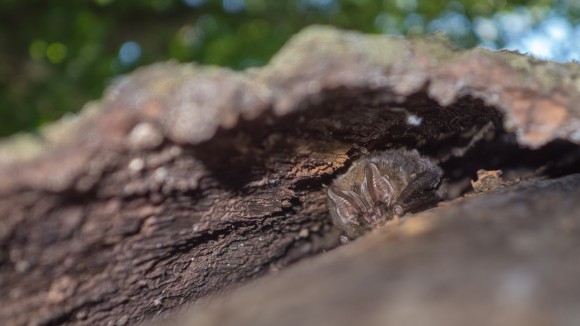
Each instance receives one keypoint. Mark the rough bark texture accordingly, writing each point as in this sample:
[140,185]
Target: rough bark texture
[185,181]
[504,258]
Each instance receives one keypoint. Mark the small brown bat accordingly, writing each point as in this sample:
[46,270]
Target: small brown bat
[381,185]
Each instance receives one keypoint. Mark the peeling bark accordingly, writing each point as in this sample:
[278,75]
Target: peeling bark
[185,181]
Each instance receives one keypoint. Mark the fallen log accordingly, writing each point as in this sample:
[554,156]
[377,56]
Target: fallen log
[508,257]
[185,181]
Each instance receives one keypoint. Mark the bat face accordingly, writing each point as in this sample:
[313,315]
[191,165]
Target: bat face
[380,186]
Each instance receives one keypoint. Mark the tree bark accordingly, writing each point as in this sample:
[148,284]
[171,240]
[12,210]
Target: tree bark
[509,257]
[184,181]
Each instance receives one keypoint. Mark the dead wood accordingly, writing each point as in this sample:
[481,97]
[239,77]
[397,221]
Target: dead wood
[509,257]
[185,181]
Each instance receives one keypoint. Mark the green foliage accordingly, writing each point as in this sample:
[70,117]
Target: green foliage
[57,55]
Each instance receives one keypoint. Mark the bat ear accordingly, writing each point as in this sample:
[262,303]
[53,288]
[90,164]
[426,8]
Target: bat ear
[423,182]
[375,187]
[344,205]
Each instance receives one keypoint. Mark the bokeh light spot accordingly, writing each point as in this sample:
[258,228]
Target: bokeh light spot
[233,6]
[414,23]
[557,28]
[194,3]
[37,50]
[485,29]
[538,46]
[56,52]
[129,53]
[452,23]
